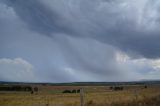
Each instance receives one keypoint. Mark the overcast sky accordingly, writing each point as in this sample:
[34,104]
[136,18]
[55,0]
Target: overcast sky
[79,40]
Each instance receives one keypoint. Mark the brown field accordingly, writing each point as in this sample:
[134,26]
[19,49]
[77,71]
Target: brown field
[94,96]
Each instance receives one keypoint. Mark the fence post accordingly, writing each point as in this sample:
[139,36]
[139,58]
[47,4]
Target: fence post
[82,96]
[136,95]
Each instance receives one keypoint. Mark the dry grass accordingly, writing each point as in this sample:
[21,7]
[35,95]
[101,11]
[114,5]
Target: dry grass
[150,101]
[94,96]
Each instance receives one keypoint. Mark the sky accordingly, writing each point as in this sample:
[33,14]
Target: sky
[79,40]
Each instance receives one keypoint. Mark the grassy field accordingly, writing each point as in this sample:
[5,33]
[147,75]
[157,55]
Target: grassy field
[94,96]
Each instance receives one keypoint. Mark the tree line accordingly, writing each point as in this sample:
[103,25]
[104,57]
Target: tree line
[18,88]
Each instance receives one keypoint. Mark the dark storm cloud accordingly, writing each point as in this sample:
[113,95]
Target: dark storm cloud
[38,16]
[113,22]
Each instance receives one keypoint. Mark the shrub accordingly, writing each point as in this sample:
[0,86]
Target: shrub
[111,88]
[145,86]
[78,91]
[36,89]
[118,88]
[74,91]
[67,91]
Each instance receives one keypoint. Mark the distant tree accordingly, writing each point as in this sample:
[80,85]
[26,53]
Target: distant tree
[66,91]
[118,88]
[110,87]
[4,88]
[36,89]
[17,88]
[74,91]
[32,92]
[27,88]
[145,86]
[78,91]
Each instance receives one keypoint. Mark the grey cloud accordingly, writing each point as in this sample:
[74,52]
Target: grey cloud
[37,16]
[86,35]
[93,59]
[16,70]
[125,24]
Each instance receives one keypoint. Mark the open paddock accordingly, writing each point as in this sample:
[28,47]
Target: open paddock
[93,96]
